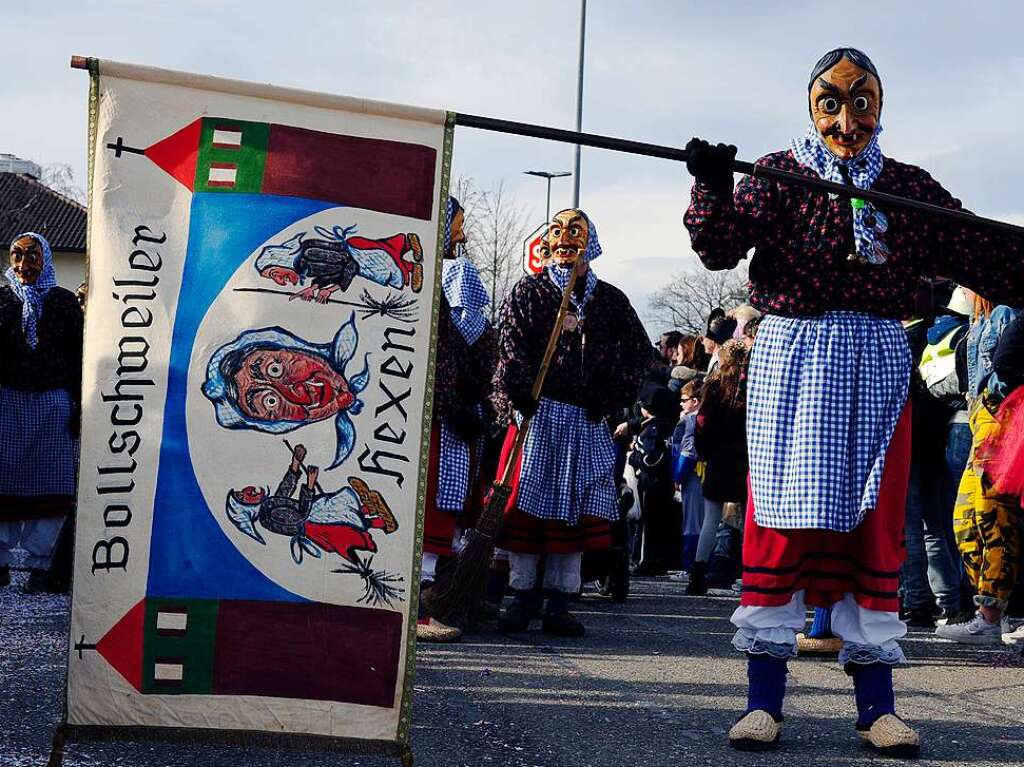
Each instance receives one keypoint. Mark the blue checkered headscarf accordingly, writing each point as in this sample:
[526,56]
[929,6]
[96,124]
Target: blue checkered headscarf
[560,274]
[32,295]
[862,171]
[466,296]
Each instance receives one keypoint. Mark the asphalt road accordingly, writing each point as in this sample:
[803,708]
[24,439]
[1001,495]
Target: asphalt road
[654,683]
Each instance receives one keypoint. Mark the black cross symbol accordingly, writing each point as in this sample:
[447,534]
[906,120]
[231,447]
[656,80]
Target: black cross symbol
[83,645]
[119,147]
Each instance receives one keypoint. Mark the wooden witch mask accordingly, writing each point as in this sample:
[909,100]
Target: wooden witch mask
[568,235]
[845,96]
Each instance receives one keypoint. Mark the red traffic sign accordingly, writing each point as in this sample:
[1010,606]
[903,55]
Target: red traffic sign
[535,251]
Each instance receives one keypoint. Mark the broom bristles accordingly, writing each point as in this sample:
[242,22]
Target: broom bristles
[459,587]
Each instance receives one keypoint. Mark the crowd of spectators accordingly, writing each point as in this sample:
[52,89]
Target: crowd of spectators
[686,465]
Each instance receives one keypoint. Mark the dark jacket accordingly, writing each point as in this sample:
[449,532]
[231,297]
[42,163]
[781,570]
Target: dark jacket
[56,360]
[721,442]
[1008,360]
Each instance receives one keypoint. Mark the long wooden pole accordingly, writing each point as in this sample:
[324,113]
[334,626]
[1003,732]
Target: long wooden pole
[739,166]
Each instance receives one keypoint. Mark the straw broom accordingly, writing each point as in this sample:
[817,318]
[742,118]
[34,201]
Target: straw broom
[458,590]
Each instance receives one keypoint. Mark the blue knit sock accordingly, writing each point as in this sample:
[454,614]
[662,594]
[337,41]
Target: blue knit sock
[872,686]
[821,628]
[767,684]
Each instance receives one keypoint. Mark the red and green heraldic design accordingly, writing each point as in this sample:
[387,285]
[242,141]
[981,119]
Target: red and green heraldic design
[305,650]
[215,154]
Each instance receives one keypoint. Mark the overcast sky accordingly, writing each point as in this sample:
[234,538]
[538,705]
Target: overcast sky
[659,71]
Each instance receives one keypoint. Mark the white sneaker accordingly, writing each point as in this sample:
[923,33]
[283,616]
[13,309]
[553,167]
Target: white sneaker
[976,631]
[1014,637]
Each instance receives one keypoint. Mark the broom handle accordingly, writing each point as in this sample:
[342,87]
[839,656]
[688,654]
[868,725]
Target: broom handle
[538,383]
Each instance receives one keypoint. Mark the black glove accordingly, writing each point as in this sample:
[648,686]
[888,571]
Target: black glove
[711,165]
[466,425]
[526,405]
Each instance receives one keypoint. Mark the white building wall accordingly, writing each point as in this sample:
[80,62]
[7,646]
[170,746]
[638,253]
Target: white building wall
[70,268]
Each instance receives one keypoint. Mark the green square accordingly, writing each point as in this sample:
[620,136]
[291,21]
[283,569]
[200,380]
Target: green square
[248,160]
[193,648]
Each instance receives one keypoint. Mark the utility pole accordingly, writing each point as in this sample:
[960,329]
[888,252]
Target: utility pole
[579,104]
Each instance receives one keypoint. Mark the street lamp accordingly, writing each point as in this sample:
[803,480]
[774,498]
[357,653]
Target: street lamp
[548,175]
[579,102]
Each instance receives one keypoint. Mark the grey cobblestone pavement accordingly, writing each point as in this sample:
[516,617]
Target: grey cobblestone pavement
[655,683]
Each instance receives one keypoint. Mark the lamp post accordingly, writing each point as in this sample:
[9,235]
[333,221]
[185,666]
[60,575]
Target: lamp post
[548,175]
[579,104]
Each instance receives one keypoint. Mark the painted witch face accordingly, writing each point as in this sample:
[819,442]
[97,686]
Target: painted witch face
[845,105]
[289,385]
[567,236]
[250,495]
[26,260]
[457,234]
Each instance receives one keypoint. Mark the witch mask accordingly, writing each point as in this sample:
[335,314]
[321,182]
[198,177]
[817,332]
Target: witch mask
[568,235]
[26,260]
[846,104]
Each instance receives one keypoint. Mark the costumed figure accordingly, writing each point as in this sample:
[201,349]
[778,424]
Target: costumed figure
[316,521]
[564,491]
[40,406]
[827,428]
[331,261]
[273,381]
[465,363]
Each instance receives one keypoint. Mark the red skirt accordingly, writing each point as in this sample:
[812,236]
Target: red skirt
[526,534]
[438,525]
[827,564]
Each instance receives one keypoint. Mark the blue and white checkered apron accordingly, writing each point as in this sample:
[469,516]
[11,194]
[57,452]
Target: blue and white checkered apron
[37,454]
[454,478]
[568,466]
[823,400]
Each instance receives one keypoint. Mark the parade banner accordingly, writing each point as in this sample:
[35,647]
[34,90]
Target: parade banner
[263,283]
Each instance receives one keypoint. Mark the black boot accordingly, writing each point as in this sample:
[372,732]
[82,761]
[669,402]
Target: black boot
[517,616]
[497,583]
[558,621]
[697,587]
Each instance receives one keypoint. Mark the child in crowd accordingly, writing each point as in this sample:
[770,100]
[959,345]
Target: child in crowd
[685,475]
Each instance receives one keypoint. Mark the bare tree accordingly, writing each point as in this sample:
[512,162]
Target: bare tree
[496,226]
[61,179]
[687,300]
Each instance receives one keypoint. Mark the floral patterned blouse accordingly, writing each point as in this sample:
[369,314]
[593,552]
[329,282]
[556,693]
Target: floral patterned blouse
[598,365]
[802,240]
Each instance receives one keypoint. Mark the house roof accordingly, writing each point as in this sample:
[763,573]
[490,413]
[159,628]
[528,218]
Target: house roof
[28,205]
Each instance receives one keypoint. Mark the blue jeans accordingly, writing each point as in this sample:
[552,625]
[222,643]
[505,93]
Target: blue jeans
[933,563]
[958,452]
[36,536]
